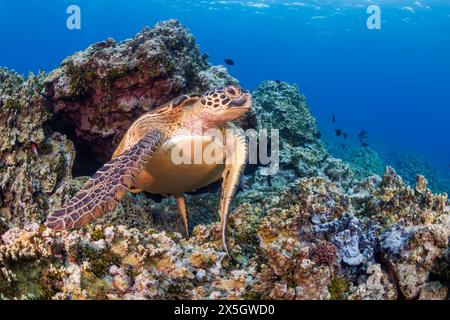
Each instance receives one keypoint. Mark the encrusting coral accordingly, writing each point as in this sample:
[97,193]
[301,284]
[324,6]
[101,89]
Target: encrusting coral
[33,161]
[316,230]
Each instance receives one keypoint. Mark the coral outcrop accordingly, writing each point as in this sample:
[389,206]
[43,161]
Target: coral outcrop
[280,106]
[315,230]
[33,160]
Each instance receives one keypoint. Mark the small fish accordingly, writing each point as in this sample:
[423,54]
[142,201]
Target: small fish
[333,118]
[338,132]
[362,134]
[345,135]
[229,62]
[364,144]
[34,150]
[343,145]
[277,81]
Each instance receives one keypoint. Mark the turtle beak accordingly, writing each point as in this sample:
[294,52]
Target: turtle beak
[243,102]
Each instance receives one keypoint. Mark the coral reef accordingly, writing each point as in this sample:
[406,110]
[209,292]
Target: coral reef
[367,161]
[409,165]
[316,230]
[33,160]
[313,244]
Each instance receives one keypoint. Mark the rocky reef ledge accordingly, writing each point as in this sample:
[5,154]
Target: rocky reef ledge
[317,230]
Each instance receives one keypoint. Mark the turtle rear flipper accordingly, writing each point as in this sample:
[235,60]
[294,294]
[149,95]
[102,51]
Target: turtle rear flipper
[106,187]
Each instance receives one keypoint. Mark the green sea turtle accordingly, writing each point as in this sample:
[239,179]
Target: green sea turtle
[148,158]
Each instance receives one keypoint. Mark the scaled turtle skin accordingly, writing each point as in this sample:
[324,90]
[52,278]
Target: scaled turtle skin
[150,158]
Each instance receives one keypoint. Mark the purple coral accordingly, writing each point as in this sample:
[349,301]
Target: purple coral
[325,253]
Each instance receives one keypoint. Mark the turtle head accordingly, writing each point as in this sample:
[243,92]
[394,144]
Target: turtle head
[223,105]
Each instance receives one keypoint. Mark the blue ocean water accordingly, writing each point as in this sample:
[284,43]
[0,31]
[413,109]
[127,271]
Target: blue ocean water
[393,82]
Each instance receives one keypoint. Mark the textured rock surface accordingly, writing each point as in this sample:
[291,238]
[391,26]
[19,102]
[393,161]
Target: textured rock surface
[316,230]
[33,160]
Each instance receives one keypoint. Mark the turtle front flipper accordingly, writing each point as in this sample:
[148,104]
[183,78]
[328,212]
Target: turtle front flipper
[237,151]
[106,187]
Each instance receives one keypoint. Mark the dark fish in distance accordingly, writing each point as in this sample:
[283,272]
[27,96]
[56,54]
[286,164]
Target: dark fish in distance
[333,118]
[364,144]
[362,134]
[229,62]
[338,132]
[345,135]
[343,146]
[277,81]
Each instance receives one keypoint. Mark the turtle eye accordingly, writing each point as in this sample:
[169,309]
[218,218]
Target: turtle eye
[232,91]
